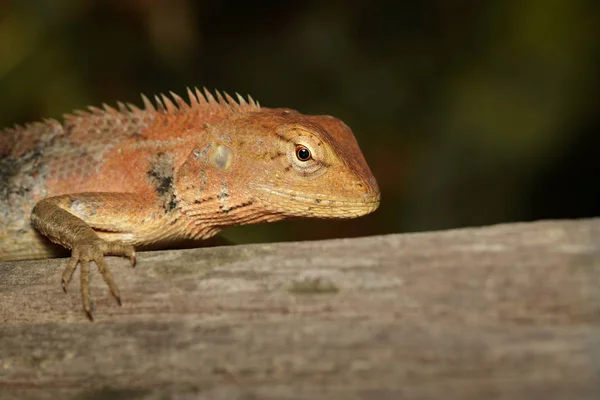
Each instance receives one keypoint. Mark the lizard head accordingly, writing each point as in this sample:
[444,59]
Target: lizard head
[296,165]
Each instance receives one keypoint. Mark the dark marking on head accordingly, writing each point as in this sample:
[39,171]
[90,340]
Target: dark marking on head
[160,175]
[203,181]
[223,196]
[288,168]
[276,155]
[318,201]
[205,199]
[282,137]
[237,207]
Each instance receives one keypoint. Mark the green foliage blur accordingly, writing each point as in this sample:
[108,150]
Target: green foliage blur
[469,112]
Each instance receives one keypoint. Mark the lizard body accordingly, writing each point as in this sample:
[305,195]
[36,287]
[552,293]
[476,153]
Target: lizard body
[108,180]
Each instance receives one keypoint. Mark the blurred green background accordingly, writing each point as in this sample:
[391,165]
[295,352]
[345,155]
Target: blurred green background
[469,112]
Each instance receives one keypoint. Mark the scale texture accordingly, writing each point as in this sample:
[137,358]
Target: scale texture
[109,180]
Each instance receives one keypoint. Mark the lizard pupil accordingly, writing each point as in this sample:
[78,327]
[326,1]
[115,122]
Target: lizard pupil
[302,153]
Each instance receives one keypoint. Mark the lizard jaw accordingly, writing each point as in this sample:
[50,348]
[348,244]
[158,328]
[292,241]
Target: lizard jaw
[296,204]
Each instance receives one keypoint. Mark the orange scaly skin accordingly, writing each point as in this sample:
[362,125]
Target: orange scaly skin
[107,180]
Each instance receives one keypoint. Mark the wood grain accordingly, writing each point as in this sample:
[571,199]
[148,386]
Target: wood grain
[500,312]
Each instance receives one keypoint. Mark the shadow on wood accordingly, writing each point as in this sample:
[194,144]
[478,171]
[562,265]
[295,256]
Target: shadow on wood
[508,311]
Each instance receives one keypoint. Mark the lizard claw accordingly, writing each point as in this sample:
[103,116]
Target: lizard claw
[95,251]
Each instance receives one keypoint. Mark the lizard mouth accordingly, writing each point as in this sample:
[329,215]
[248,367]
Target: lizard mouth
[293,203]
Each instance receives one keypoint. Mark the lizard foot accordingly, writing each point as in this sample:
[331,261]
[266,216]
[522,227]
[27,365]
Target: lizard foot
[95,251]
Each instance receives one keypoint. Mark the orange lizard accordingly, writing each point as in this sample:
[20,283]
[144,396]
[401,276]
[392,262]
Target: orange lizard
[107,180]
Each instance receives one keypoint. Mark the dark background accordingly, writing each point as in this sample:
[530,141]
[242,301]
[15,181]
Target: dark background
[469,112]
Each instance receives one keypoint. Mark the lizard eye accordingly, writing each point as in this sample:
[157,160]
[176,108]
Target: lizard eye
[302,153]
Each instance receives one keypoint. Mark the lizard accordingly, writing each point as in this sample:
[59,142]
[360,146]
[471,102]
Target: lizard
[109,180]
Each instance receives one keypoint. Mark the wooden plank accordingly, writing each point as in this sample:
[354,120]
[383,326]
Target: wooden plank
[507,311]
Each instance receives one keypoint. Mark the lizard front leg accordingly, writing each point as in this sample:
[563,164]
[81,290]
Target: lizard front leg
[75,222]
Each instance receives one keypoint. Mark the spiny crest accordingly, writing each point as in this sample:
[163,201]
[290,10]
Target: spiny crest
[19,139]
[37,128]
[203,101]
[223,101]
[199,101]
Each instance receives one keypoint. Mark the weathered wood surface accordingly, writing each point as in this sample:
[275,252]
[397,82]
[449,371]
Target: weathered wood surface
[502,312]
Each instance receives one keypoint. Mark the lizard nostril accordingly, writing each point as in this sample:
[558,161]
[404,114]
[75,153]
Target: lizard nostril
[360,187]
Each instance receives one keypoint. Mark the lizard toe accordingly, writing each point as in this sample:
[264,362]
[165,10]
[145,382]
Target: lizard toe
[120,249]
[94,251]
